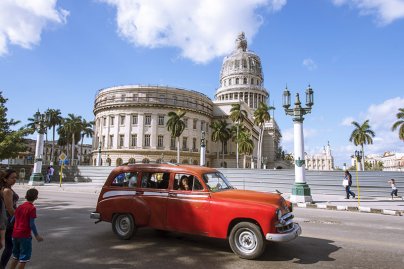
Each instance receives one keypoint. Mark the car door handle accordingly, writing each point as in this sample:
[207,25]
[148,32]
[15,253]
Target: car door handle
[172,195]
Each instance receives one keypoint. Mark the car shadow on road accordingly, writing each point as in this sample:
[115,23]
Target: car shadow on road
[303,250]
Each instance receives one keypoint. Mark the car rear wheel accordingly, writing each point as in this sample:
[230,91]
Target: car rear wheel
[123,226]
[246,240]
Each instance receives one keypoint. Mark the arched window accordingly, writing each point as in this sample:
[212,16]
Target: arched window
[145,160]
[173,161]
[195,162]
[119,162]
[131,160]
[185,161]
[237,80]
[245,81]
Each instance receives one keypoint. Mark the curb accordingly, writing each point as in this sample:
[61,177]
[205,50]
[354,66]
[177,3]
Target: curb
[360,209]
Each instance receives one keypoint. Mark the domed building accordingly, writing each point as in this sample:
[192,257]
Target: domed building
[130,120]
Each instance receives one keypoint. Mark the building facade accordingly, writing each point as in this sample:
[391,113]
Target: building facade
[131,120]
[323,161]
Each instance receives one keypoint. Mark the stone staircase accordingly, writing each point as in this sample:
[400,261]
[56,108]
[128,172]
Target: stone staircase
[372,184]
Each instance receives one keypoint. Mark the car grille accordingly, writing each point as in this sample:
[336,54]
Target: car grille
[285,223]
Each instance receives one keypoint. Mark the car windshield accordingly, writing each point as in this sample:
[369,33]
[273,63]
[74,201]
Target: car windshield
[216,182]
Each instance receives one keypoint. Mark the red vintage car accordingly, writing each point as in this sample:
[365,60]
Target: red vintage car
[195,200]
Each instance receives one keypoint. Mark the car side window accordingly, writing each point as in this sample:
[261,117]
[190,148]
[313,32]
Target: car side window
[155,180]
[187,182]
[120,180]
[132,179]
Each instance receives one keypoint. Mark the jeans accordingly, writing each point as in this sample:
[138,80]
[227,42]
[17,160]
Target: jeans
[394,192]
[349,192]
[8,249]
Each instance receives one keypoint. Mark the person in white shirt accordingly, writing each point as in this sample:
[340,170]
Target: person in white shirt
[394,190]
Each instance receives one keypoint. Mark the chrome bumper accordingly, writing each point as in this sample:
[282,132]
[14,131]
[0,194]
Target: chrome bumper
[95,215]
[284,237]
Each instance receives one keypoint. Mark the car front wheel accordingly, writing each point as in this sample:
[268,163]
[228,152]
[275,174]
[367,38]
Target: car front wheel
[247,241]
[123,226]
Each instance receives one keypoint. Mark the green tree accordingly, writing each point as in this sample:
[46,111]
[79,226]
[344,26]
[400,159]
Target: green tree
[72,128]
[220,132]
[86,131]
[399,124]
[11,141]
[237,115]
[261,115]
[176,125]
[361,135]
[246,145]
[55,119]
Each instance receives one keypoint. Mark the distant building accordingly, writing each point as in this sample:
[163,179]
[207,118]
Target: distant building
[393,161]
[323,161]
[390,161]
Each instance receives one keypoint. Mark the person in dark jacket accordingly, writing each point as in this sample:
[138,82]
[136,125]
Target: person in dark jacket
[348,184]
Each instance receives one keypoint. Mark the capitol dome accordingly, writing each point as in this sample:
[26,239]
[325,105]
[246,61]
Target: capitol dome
[241,76]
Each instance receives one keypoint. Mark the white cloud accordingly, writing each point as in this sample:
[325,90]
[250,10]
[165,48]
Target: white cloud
[201,29]
[22,22]
[386,11]
[309,64]
[347,121]
[381,118]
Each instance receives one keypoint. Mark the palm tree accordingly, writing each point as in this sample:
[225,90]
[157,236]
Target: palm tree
[176,126]
[399,124]
[246,144]
[237,115]
[55,119]
[261,115]
[220,132]
[86,131]
[31,125]
[362,134]
[72,126]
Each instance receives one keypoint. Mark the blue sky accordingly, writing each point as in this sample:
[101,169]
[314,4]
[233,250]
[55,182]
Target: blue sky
[57,54]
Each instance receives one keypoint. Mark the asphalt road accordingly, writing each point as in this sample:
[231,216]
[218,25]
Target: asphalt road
[330,239]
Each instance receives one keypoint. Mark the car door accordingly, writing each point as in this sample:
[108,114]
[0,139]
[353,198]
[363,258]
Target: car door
[188,210]
[153,192]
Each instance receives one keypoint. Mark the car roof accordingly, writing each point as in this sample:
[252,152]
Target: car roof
[163,166]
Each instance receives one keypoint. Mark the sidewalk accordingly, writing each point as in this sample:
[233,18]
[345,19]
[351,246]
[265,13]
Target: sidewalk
[380,205]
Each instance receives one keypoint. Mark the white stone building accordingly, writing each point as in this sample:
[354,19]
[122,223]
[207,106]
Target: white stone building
[130,120]
[322,161]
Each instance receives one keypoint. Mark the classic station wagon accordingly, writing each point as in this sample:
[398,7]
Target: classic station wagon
[195,200]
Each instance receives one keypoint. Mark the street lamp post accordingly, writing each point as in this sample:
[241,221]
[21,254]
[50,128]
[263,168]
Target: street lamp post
[99,155]
[203,150]
[301,190]
[36,178]
[358,156]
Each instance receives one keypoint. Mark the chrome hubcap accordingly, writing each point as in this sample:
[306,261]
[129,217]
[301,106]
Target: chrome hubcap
[123,225]
[246,241]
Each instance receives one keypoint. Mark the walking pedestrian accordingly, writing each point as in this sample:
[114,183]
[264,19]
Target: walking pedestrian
[51,172]
[347,183]
[394,190]
[24,224]
[10,199]
[47,179]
